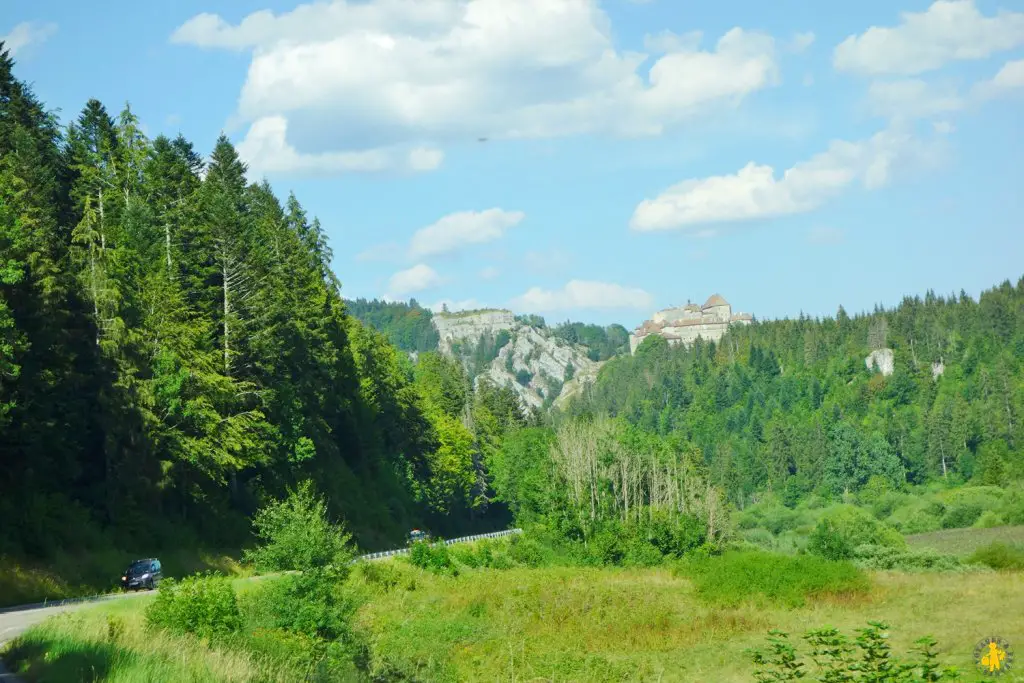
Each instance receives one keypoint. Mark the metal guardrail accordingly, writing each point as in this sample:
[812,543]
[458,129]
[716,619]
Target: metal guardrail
[450,541]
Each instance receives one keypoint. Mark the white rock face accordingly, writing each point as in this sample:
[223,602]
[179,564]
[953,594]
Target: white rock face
[470,325]
[883,360]
[545,358]
[938,368]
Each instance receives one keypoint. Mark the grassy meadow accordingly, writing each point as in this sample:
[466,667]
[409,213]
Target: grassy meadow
[666,623]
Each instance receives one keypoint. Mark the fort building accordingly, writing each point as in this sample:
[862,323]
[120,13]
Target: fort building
[684,324]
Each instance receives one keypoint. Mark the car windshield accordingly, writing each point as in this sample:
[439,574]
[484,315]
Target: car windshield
[140,567]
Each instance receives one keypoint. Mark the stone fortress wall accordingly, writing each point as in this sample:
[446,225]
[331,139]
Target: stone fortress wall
[683,324]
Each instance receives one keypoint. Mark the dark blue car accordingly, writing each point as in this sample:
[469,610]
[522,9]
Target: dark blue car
[142,574]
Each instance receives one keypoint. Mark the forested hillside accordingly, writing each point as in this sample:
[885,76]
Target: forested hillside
[406,325]
[790,406]
[175,350]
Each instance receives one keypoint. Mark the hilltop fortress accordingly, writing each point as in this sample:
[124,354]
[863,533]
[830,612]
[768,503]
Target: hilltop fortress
[683,324]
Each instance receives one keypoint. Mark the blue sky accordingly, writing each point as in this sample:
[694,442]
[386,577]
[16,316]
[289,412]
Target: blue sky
[792,156]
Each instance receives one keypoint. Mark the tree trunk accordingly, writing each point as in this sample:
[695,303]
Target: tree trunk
[227,312]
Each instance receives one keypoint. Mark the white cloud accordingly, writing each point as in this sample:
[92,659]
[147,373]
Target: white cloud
[489,273]
[454,306]
[577,294]
[1009,78]
[825,235]
[266,150]
[911,98]
[943,127]
[949,30]
[412,280]
[458,230]
[26,33]
[388,73]
[754,191]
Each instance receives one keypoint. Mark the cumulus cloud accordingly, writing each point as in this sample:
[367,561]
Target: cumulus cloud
[911,98]
[583,294]
[1010,78]
[949,30]
[27,33]
[458,230]
[266,150]
[366,75]
[489,273]
[755,192]
[412,280]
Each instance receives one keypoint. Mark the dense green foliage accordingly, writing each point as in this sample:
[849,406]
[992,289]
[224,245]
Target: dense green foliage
[295,534]
[868,659]
[406,325]
[602,342]
[999,556]
[736,577]
[175,350]
[205,606]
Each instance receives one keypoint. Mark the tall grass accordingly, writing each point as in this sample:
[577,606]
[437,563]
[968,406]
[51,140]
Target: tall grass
[113,645]
[752,576]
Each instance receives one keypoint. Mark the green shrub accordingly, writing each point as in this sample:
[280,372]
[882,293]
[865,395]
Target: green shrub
[386,575]
[607,547]
[762,538]
[989,520]
[203,605]
[735,577]
[311,603]
[528,551]
[1012,509]
[295,534]
[999,556]
[434,558]
[882,557]
[835,658]
[640,553]
[844,527]
[961,515]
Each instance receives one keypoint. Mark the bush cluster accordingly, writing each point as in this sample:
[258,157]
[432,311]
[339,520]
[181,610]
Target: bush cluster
[868,658]
[433,557]
[999,556]
[203,605]
[739,576]
[889,558]
[843,528]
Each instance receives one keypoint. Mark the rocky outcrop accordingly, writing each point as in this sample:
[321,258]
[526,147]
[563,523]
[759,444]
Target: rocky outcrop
[540,368]
[470,325]
[938,369]
[882,360]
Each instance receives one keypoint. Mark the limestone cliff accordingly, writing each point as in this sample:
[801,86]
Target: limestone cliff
[541,369]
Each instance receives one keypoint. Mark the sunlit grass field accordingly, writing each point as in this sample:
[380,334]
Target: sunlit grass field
[549,624]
